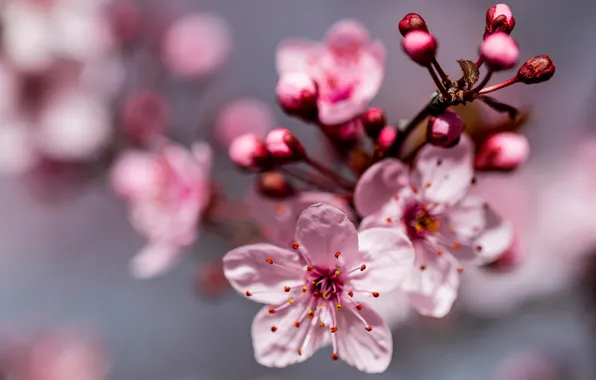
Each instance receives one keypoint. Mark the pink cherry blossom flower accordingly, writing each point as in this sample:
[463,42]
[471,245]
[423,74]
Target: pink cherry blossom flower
[166,192]
[197,44]
[313,290]
[348,68]
[277,218]
[430,203]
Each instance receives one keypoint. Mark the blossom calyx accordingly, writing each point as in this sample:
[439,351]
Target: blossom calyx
[283,146]
[536,70]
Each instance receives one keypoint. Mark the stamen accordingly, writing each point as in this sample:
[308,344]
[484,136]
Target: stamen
[422,267]
[427,185]
[269,260]
[337,272]
[375,294]
[310,268]
[460,269]
[351,293]
[304,288]
[389,220]
[334,356]
[362,267]
[295,245]
[321,324]
[248,293]
[333,329]
[297,324]
[478,248]
[291,301]
[439,252]
[396,197]
[273,328]
[337,254]
[359,306]
[299,351]
[287,289]
[414,189]
[311,314]
[456,246]
[272,310]
[338,307]
[368,328]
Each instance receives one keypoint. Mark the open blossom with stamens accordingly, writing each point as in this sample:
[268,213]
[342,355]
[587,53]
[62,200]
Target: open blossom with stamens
[167,192]
[445,224]
[348,69]
[314,287]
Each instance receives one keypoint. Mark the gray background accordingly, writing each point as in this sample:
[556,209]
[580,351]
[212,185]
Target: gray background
[66,261]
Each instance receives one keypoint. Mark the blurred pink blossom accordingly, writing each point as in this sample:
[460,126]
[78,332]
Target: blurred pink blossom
[197,44]
[527,366]
[145,115]
[58,355]
[242,116]
[166,191]
[348,68]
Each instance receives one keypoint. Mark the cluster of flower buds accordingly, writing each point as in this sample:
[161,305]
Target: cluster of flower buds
[250,152]
[498,52]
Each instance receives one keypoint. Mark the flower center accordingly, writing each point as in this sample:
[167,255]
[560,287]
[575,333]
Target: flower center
[326,283]
[420,222]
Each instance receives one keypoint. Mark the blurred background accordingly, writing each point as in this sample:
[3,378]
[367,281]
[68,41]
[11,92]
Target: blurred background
[66,240]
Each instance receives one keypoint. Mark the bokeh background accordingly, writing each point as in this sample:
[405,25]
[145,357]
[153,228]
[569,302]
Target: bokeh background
[65,260]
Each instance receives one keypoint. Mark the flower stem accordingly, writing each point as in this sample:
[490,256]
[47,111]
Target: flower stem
[438,82]
[499,86]
[402,135]
[444,77]
[341,181]
[484,82]
[307,179]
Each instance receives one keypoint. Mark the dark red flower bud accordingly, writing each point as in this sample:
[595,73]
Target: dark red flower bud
[536,70]
[410,22]
[373,122]
[420,46]
[499,18]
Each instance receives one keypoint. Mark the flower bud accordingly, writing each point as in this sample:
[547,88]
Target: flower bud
[420,46]
[297,94]
[499,18]
[411,22]
[248,151]
[283,146]
[503,151]
[445,130]
[499,51]
[387,137]
[274,185]
[373,122]
[536,70]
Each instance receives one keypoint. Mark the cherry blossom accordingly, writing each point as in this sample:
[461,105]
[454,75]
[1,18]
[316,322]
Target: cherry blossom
[430,203]
[166,192]
[313,289]
[348,68]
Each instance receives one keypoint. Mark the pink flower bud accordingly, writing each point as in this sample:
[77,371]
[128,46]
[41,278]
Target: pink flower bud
[499,51]
[125,20]
[248,151]
[503,151]
[420,46]
[145,115]
[411,22]
[297,94]
[274,185]
[445,130]
[373,122]
[282,145]
[509,260]
[536,70]
[499,18]
[387,137]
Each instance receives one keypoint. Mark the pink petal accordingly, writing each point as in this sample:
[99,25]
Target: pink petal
[372,68]
[379,184]
[347,34]
[483,234]
[135,174]
[444,174]
[393,307]
[433,290]
[333,113]
[368,351]
[280,348]
[322,230]
[296,55]
[153,260]
[203,154]
[389,257]
[247,269]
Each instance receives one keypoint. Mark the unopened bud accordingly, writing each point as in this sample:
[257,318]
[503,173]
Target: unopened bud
[248,151]
[297,94]
[274,185]
[445,130]
[344,137]
[420,46]
[283,146]
[509,260]
[499,18]
[387,137]
[502,151]
[536,70]
[499,51]
[411,22]
[373,121]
